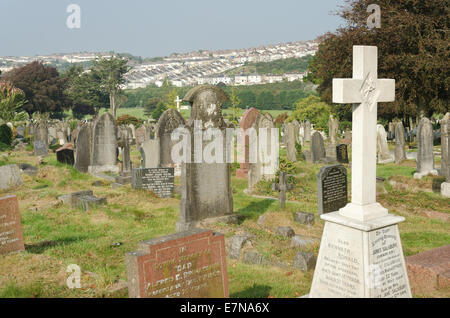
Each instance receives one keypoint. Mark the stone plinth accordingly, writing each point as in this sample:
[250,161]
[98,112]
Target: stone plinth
[360,259]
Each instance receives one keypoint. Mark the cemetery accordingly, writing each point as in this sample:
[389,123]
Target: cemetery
[310,207]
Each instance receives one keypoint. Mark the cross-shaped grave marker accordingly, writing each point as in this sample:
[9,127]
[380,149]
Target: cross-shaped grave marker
[178,101]
[364,90]
[282,187]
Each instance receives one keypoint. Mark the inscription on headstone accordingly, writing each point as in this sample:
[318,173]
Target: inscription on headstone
[188,264]
[332,188]
[158,180]
[11,236]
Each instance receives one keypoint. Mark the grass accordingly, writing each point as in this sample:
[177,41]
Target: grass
[98,240]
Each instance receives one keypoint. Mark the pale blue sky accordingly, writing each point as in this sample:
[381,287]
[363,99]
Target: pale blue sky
[152,28]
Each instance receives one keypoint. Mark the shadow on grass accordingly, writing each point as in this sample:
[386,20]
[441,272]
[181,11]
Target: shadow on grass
[41,247]
[254,209]
[256,291]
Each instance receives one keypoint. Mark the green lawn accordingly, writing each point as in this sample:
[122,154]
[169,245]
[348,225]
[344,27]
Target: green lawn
[57,236]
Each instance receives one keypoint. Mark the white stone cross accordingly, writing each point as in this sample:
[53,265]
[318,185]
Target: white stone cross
[364,90]
[178,101]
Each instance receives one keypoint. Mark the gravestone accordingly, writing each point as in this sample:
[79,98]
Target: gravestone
[282,187]
[247,121]
[342,153]
[445,150]
[347,137]
[52,137]
[266,164]
[425,155]
[317,148]
[296,130]
[206,193]
[384,155]
[400,152]
[65,154]
[307,131]
[40,139]
[332,189]
[10,177]
[158,180]
[40,148]
[83,148]
[360,253]
[141,135]
[188,264]
[290,143]
[20,130]
[167,123]
[150,157]
[11,236]
[104,145]
[333,126]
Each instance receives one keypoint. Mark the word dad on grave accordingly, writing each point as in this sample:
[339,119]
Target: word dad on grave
[188,264]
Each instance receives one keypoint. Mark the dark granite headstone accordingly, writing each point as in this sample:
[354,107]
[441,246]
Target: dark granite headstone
[159,180]
[188,264]
[11,236]
[342,153]
[332,188]
[65,155]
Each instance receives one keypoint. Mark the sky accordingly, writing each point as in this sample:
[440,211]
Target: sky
[151,28]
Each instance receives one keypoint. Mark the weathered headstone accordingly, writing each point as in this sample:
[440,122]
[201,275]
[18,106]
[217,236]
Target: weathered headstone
[307,131]
[158,180]
[333,126]
[206,191]
[64,154]
[342,153]
[361,250]
[247,121]
[167,123]
[425,155]
[83,148]
[10,176]
[141,135]
[150,157]
[400,152]
[317,148]
[282,187]
[188,264]
[384,156]
[11,236]
[445,150]
[291,140]
[40,148]
[332,189]
[266,164]
[104,145]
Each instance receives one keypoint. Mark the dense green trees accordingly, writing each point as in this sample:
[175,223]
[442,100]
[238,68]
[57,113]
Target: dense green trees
[42,85]
[314,110]
[412,47]
[290,65]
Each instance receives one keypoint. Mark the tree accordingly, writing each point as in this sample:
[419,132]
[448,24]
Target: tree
[150,105]
[42,85]
[11,100]
[171,97]
[314,110]
[111,72]
[160,108]
[235,102]
[412,47]
[85,91]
